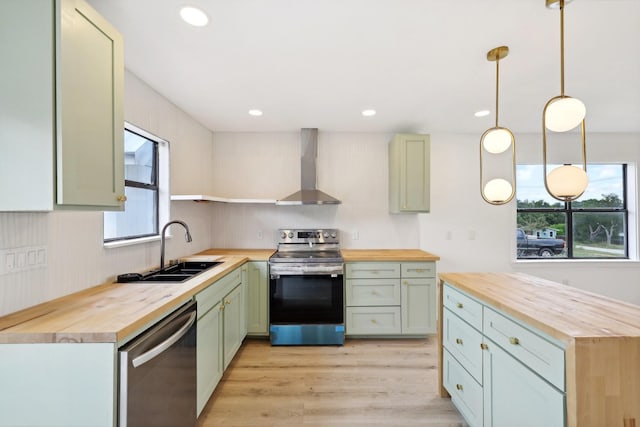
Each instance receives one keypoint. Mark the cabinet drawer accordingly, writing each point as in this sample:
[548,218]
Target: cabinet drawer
[465,392]
[530,348]
[367,292]
[373,320]
[463,342]
[372,270]
[418,269]
[465,307]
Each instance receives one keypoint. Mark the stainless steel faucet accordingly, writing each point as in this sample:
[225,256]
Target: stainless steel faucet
[187,237]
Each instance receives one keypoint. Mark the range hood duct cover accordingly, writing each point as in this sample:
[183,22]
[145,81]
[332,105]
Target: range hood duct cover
[308,194]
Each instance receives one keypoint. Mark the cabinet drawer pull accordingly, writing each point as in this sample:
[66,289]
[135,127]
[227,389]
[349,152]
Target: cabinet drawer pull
[459,387]
[406,282]
[514,340]
[459,341]
[374,321]
[459,305]
[121,198]
[483,346]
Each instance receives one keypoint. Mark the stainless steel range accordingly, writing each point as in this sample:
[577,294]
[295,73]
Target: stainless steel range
[306,290]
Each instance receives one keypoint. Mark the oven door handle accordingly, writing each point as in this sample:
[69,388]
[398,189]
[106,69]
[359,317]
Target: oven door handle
[164,345]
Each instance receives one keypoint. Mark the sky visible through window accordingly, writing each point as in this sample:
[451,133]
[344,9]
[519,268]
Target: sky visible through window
[603,179]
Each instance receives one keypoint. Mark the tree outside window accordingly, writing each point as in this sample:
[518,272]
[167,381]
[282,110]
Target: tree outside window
[593,226]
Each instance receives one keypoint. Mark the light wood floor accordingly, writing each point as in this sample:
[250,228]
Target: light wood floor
[363,383]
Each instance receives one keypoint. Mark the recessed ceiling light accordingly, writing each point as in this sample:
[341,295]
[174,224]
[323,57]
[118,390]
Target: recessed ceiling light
[482,113]
[255,112]
[194,16]
[369,113]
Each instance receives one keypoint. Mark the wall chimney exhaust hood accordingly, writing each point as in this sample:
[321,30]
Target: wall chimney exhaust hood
[308,194]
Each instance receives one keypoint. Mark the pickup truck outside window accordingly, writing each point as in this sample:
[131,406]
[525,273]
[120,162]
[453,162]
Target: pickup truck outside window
[591,227]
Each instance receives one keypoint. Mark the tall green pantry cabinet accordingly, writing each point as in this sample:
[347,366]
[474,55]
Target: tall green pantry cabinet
[409,173]
[61,107]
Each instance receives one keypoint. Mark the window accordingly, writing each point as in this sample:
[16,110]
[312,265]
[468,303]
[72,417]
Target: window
[145,176]
[595,226]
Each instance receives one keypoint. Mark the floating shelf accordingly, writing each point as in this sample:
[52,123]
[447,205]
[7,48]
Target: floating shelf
[207,198]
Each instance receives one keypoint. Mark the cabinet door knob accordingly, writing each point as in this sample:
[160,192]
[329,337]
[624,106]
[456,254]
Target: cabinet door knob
[121,198]
[459,305]
[459,341]
[484,346]
[459,387]
[406,282]
[514,340]
[374,321]
[227,302]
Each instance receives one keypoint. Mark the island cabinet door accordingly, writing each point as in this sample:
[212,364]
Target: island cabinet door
[515,395]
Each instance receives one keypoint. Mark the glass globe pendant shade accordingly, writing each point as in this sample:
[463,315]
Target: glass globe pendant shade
[498,190]
[567,182]
[564,114]
[497,140]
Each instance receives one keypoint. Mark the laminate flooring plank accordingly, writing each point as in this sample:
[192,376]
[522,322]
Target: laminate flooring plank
[365,383]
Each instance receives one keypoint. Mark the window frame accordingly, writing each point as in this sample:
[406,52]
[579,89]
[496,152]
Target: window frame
[160,184]
[569,210]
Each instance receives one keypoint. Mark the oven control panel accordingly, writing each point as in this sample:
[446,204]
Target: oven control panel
[306,235]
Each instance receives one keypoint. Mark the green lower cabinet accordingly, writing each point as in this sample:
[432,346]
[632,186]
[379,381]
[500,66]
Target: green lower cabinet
[232,323]
[390,298]
[516,396]
[257,290]
[221,314]
[209,354]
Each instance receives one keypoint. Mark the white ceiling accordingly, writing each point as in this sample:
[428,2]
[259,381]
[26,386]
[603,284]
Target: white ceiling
[420,63]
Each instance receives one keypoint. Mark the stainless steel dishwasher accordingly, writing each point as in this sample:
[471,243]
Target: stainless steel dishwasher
[158,374]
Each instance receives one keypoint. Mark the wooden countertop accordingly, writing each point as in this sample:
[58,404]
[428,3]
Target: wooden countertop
[397,255]
[250,254]
[109,312]
[564,312]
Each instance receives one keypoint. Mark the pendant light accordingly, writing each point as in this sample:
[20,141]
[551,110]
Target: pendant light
[563,113]
[497,140]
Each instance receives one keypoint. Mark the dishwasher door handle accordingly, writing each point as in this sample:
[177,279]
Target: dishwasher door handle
[155,351]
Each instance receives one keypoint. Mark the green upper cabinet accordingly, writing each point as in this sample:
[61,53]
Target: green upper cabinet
[409,173]
[61,107]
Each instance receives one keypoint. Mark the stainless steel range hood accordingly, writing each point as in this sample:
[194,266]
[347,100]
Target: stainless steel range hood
[308,194]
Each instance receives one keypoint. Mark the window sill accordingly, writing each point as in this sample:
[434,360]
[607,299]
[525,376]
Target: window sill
[131,242]
[593,262]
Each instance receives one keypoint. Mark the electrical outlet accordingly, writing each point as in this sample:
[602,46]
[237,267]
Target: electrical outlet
[355,235]
[260,235]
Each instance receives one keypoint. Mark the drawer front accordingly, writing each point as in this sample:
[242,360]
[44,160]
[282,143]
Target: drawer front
[210,296]
[530,348]
[367,292]
[464,343]
[373,321]
[418,269]
[372,270]
[465,307]
[465,392]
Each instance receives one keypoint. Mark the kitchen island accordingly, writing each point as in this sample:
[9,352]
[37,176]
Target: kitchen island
[517,349]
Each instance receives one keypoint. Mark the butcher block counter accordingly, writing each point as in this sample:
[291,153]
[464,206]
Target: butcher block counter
[597,338]
[111,312]
[397,255]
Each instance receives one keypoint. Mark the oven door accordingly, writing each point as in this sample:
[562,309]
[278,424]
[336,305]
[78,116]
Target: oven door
[306,309]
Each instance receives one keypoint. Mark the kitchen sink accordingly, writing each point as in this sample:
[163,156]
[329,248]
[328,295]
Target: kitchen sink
[176,273]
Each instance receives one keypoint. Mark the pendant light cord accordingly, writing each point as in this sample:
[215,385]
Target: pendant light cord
[562,48]
[497,87]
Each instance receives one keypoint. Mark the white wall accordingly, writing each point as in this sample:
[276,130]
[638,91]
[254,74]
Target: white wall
[352,167]
[76,256]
